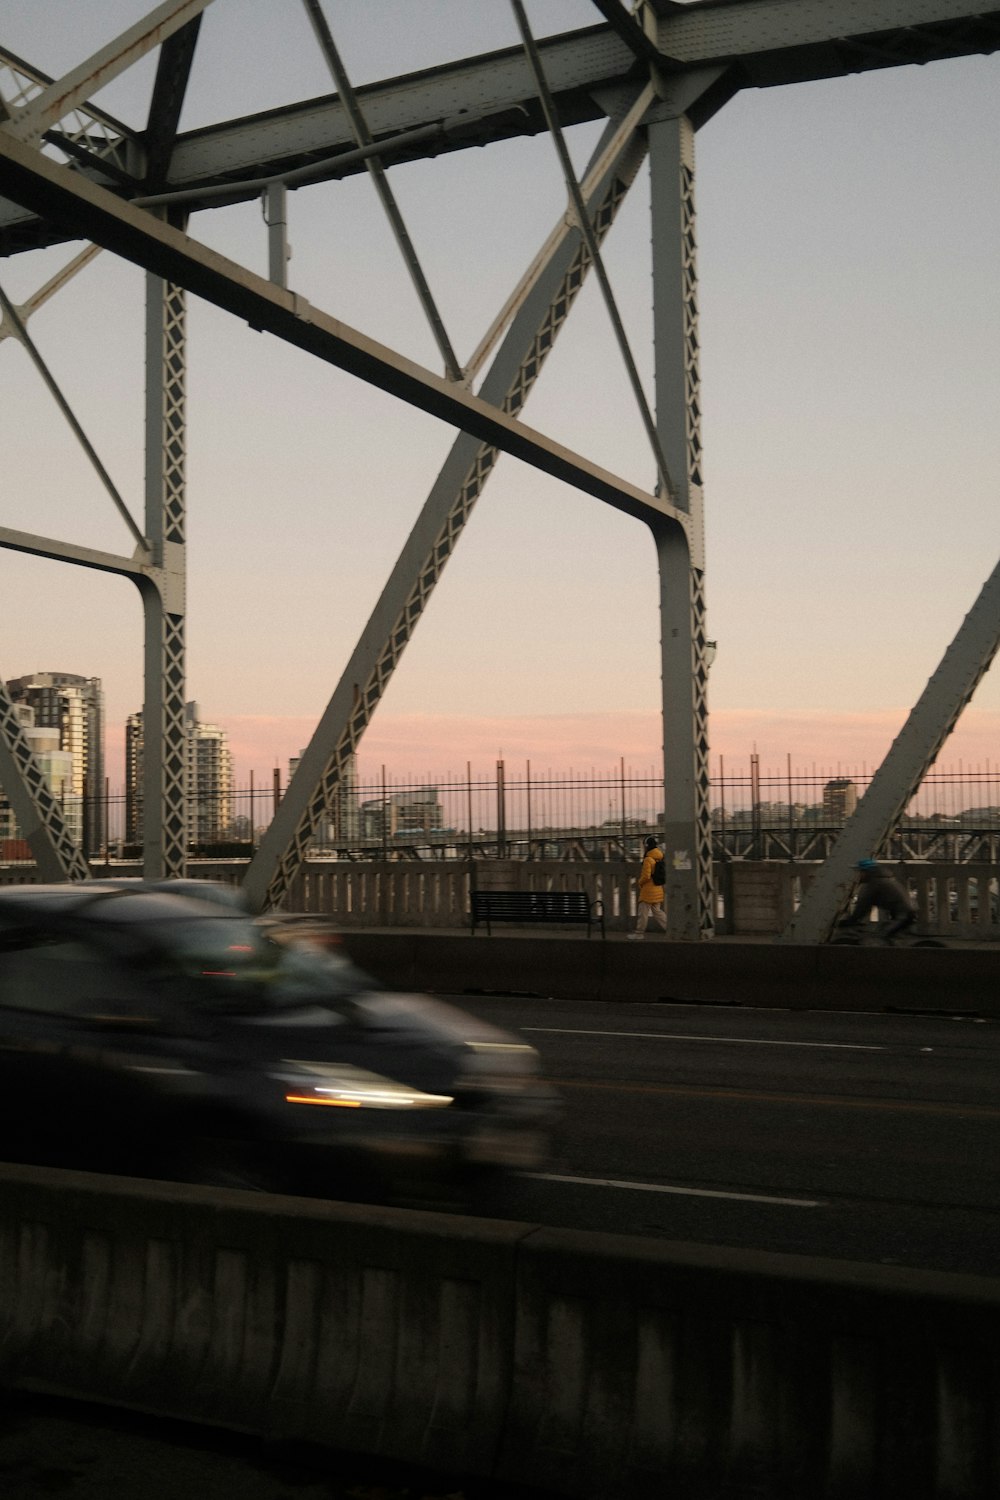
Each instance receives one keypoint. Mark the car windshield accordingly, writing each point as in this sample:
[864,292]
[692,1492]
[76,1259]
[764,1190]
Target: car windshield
[229,964]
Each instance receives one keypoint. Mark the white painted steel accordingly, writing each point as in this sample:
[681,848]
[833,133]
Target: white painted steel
[59,98]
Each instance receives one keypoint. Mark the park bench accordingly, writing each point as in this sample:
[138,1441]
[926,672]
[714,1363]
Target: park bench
[528,907]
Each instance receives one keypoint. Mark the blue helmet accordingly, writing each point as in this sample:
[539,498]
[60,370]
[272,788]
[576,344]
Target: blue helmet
[866,864]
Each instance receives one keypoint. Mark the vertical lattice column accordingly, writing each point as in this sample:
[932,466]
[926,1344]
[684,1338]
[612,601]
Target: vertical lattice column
[687,821]
[165,761]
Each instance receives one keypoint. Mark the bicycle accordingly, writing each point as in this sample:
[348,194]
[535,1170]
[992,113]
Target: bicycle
[872,935]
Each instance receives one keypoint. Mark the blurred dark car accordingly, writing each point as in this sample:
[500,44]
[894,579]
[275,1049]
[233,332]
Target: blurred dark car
[147,1030]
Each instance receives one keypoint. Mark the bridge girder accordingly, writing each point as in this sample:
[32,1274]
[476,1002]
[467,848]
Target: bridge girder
[727,45]
[492,97]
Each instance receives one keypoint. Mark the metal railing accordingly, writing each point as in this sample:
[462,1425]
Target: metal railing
[757,814]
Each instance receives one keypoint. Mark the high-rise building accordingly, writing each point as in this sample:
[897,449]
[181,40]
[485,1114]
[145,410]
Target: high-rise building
[209,776]
[135,770]
[840,798]
[210,779]
[74,707]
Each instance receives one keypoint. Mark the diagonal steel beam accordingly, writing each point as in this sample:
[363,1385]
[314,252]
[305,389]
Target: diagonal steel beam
[576,198]
[631,33]
[35,805]
[322,768]
[363,138]
[38,299]
[57,99]
[172,73]
[24,337]
[471,102]
[594,173]
[52,190]
[910,757]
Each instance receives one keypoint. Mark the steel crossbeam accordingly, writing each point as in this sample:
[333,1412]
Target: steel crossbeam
[96,214]
[543,309]
[54,102]
[759,43]
[693,57]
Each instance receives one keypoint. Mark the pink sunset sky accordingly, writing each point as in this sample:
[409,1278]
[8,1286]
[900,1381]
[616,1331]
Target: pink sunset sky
[850,369]
[438,746]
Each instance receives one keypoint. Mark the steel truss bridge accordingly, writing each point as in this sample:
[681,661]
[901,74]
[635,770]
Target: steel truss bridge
[653,75]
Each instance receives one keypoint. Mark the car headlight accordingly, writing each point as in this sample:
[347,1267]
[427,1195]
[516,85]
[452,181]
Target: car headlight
[342,1086]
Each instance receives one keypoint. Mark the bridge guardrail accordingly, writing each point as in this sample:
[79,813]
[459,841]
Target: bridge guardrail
[754,898]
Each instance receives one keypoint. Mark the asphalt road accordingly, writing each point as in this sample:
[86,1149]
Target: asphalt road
[865,1137]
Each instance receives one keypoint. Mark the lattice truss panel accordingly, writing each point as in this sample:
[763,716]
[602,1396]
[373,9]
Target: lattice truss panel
[174,444]
[61,853]
[172,517]
[689,273]
[699,750]
[370,692]
[689,59]
[82,134]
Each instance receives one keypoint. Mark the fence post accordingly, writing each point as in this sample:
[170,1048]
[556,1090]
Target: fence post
[501,812]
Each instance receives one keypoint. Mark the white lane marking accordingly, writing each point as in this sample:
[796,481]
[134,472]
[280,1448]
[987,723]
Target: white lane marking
[655,1187]
[683,1036]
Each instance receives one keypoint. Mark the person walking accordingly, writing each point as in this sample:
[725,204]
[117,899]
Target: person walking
[878,889]
[651,878]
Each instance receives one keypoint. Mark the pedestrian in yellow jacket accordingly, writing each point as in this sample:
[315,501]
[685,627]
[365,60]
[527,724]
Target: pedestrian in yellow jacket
[650,894]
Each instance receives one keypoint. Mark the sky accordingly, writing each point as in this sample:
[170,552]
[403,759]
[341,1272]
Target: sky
[849,233]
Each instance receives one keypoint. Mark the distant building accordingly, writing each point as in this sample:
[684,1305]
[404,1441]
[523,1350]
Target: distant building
[404,817]
[342,825]
[840,798]
[73,706]
[135,770]
[210,779]
[209,775]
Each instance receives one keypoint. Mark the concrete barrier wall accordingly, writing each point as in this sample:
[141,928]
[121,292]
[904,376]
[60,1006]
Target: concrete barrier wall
[943,980]
[597,1366]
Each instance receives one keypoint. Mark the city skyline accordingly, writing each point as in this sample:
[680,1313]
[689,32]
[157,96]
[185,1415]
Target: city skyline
[850,364]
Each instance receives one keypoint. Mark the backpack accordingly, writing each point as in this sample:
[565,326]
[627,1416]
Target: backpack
[660,871]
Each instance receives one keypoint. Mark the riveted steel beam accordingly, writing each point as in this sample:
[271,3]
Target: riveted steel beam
[66,94]
[758,43]
[557,277]
[98,215]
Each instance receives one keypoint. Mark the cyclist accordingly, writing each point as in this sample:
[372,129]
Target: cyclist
[879,889]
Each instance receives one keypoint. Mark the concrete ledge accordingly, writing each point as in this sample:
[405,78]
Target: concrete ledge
[372,1330]
[723,972]
[599,1366]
